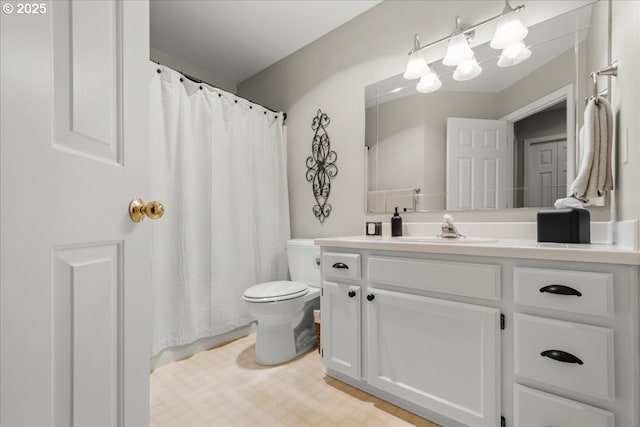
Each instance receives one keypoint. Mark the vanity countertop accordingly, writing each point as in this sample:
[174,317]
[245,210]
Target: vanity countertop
[507,248]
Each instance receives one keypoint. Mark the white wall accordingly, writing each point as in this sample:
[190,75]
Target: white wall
[331,74]
[626,101]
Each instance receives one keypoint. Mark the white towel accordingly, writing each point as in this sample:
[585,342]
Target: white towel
[596,140]
[403,199]
[376,201]
[568,202]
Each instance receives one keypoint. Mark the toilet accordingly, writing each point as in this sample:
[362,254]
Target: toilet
[284,309]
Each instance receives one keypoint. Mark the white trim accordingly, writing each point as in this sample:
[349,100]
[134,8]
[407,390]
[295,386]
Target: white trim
[564,93]
[540,104]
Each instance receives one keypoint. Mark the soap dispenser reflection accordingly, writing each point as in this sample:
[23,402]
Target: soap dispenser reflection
[396,224]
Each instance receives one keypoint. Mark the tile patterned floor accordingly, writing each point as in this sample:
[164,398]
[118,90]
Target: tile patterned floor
[223,387]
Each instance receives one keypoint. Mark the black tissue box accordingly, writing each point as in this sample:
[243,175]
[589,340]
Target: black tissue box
[564,226]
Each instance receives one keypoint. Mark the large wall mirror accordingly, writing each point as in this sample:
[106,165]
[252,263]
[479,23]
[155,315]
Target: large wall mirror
[414,142]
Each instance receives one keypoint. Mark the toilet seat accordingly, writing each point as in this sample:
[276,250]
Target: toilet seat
[275,291]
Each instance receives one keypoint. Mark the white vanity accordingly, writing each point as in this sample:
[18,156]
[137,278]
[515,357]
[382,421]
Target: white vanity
[484,334]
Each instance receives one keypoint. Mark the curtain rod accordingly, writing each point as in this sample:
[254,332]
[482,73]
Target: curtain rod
[199,81]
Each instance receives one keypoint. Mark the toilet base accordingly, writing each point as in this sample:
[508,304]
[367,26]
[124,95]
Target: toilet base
[280,342]
[274,344]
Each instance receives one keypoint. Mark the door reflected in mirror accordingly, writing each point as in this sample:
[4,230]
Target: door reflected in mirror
[506,139]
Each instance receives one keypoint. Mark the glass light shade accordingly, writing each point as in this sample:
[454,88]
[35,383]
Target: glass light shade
[458,50]
[429,83]
[467,70]
[514,50]
[416,67]
[509,30]
[514,55]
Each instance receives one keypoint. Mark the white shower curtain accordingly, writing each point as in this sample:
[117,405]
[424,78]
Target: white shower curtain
[218,163]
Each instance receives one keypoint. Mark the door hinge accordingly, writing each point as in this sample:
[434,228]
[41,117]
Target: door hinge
[503,422]
[321,292]
[322,352]
[502,321]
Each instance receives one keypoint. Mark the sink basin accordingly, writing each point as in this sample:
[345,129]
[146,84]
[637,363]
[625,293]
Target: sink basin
[436,239]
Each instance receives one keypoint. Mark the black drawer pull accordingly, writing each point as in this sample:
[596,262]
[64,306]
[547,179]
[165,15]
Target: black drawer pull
[340,265]
[560,290]
[371,297]
[561,356]
[352,294]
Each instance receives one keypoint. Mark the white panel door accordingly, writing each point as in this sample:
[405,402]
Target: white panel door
[479,164]
[75,333]
[441,355]
[341,328]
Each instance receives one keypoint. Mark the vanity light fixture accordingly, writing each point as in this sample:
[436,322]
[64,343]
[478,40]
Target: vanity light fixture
[458,50]
[513,55]
[509,29]
[430,82]
[509,37]
[417,66]
[467,70]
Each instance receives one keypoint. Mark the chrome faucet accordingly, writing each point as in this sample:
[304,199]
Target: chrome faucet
[449,230]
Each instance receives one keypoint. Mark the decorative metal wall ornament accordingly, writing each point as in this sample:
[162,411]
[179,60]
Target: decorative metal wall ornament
[321,166]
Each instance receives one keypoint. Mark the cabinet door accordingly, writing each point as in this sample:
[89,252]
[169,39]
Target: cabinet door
[340,328]
[442,355]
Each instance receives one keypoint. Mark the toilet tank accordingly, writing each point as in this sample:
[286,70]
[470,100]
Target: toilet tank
[304,260]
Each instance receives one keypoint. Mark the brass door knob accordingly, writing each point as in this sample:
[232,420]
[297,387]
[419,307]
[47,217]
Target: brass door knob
[138,209]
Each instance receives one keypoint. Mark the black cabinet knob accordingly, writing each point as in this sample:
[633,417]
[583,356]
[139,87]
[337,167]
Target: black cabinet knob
[340,265]
[371,297]
[352,294]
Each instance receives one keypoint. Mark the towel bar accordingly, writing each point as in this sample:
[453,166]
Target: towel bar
[609,70]
[603,92]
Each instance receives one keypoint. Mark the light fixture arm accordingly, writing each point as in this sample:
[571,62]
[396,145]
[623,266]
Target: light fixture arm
[416,44]
[466,30]
[508,8]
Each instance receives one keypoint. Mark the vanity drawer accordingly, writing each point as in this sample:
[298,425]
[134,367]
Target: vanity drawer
[536,408]
[565,290]
[456,278]
[337,265]
[569,355]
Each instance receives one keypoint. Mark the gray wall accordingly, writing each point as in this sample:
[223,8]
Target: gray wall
[552,76]
[412,134]
[332,72]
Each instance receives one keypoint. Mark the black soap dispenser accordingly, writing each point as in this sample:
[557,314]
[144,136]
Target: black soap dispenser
[396,224]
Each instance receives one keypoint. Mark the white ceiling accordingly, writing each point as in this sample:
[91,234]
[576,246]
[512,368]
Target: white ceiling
[238,38]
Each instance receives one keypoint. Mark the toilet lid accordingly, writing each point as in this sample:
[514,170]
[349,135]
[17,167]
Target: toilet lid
[276,291]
